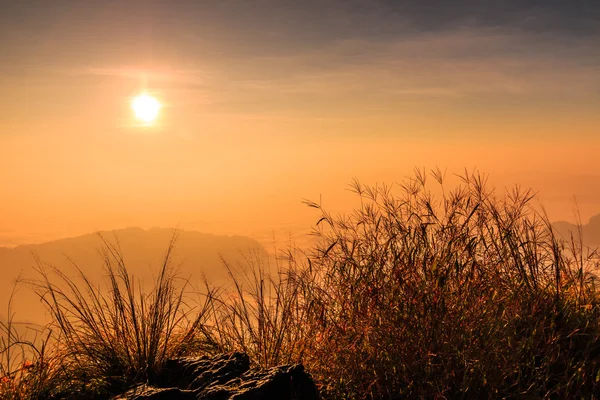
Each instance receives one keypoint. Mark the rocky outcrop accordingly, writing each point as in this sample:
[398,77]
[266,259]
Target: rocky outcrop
[226,376]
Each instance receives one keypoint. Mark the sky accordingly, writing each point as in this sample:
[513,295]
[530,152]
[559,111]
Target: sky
[266,103]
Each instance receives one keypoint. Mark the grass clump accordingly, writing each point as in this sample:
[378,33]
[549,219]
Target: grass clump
[115,336]
[462,295]
[28,368]
[261,312]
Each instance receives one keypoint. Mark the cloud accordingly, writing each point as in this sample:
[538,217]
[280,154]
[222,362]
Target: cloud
[433,66]
[170,75]
[319,55]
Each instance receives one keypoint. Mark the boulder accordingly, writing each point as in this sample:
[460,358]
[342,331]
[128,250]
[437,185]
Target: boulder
[225,376]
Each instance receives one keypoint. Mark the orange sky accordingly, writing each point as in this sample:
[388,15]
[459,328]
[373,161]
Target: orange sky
[262,110]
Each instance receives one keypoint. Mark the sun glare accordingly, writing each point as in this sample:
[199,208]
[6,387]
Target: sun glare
[146,108]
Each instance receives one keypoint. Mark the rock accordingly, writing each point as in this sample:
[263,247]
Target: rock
[199,372]
[226,376]
[145,392]
[284,383]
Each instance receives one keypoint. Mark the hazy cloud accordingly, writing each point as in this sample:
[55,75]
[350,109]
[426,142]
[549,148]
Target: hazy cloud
[434,66]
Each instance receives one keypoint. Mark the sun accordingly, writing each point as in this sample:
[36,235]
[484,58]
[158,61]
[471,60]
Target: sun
[146,108]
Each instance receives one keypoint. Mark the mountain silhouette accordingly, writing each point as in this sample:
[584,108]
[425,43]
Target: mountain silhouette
[196,255]
[590,231]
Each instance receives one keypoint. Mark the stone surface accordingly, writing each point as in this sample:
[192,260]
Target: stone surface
[226,376]
[145,392]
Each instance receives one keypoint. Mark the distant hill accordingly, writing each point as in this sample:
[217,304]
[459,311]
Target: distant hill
[197,255]
[590,231]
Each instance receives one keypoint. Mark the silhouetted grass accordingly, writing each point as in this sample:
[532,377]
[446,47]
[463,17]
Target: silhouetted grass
[27,365]
[419,293]
[467,294]
[118,335]
[261,313]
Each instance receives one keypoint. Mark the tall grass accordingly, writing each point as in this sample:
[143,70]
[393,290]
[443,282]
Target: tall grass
[28,367]
[261,312]
[466,294]
[119,335]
